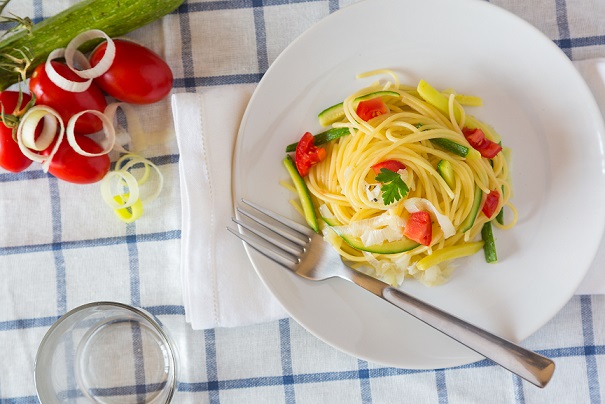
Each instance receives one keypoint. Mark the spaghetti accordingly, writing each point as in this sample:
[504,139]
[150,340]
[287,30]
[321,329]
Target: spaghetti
[368,219]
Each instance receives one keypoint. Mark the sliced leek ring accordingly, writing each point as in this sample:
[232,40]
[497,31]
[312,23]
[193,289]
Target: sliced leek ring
[131,213]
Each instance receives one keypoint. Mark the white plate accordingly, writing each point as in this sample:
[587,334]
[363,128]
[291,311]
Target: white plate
[532,95]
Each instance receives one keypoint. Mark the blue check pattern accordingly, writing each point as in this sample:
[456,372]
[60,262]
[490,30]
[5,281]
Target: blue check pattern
[59,248]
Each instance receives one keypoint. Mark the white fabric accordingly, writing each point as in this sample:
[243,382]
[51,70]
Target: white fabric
[220,286]
[593,71]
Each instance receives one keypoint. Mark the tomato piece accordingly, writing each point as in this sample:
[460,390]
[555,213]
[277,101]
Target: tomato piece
[419,228]
[371,108]
[11,157]
[391,165]
[307,154]
[68,103]
[68,165]
[137,74]
[488,148]
[491,203]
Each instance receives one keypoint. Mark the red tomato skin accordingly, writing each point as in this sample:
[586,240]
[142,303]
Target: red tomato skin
[11,157]
[419,228]
[137,74]
[491,203]
[68,103]
[307,154]
[68,165]
[392,165]
[488,149]
[371,108]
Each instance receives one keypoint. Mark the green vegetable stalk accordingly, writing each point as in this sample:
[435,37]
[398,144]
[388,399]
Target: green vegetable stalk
[26,50]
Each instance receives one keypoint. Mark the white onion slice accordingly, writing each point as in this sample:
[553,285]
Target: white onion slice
[26,134]
[417,204]
[29,125]
[104,64]
[108,129]
[134,129]
[62,82]
[121,177]
[133,160]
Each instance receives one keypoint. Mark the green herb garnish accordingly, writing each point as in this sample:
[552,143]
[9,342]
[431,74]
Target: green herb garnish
[393,188]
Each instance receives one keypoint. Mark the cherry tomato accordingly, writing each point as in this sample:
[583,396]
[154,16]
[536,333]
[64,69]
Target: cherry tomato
[68,165]
[371,108]
[137,74]
[488,148]
[11,158]
[491,203]
[419,228]
[68,103]
[391,165]
[307,154]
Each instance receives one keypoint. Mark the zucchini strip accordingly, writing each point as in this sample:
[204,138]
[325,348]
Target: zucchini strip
[323,137]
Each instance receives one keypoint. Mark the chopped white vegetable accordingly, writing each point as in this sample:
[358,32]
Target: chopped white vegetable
[26,134]
[108,130]
[62,82]
[104,64]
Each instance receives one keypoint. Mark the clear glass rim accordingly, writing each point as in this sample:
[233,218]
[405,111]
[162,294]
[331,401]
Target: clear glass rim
[138,311]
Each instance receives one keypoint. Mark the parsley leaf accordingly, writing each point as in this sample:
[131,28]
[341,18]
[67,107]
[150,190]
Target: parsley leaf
[393,188]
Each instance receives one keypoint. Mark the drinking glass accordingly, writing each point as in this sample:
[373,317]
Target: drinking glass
[106,352]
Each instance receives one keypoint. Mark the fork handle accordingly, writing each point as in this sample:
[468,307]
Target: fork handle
[528,365]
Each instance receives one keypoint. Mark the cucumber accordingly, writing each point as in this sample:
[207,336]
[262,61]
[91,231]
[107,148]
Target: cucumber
[489,246]
[389,247]
[323,137]
[114,17]
[456,148]
[445,170]
[303,194]
[470,219]
[336,112]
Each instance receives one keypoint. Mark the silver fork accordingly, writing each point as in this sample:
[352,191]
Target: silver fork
[304,252]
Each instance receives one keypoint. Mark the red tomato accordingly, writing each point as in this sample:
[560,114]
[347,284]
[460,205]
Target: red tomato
[11,158]
[371,108]
[307,154]
[68,103]
[70,166]
[488,149]
[137,74]
[392,165]
[419,228]
[491,203]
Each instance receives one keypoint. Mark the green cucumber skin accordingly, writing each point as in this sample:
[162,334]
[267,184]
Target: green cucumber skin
[451,146]
[303,193]
[394,247]
[114,17]
[444,168]
[489,246]
[323,137]
[472,216]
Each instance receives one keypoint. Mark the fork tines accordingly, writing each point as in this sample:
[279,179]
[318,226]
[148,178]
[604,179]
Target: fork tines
[278,238]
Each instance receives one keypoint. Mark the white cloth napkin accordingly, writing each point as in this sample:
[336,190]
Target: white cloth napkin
[220,287]
[593,71]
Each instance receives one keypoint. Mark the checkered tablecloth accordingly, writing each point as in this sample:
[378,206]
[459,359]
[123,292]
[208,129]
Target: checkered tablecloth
[60,247]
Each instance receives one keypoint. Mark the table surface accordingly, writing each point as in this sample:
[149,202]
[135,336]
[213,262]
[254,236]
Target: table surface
[60,247]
